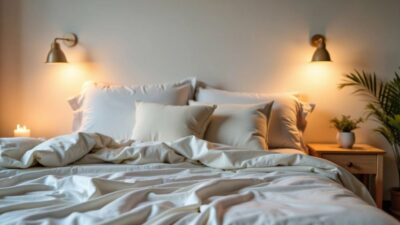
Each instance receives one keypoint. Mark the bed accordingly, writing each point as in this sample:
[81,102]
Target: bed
[188,181]
[181,169]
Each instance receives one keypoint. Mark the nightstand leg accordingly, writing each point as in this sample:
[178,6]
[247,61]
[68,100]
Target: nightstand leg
[365,180]
[379,182]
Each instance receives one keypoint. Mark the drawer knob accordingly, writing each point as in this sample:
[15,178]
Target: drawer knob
[350,164]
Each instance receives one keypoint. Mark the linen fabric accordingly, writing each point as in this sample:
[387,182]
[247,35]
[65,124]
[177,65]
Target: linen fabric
[187,181]
[287,117]
[239,125]
[157,122]
[16,146]
[110,109]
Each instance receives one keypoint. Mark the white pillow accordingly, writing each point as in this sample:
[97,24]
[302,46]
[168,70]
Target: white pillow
[287,118]
[156,122]
[110,109]
[239,125]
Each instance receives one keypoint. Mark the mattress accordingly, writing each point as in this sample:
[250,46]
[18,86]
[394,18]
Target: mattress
[188,181]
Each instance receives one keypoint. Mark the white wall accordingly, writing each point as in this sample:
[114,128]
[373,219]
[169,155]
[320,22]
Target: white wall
[10,76]
[251,45]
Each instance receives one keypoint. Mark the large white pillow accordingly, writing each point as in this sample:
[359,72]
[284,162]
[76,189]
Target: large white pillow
[110,109]
[156,122]
[239,125]
[287,117]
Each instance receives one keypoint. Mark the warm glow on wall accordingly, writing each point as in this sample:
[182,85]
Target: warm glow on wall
[74,75]
[315,69]
[68,77]
[319,73]
[73,70]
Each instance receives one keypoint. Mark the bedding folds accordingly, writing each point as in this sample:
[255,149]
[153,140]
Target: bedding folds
[92,179]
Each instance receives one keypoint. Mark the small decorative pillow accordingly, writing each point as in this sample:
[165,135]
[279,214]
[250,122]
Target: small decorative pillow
[239,125]
[157,122]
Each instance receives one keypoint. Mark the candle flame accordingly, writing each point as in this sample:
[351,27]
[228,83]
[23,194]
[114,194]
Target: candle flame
[21,127]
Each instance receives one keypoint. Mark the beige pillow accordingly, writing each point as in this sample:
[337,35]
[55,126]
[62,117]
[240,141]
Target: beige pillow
[287,116]
[157,122]
[239,125]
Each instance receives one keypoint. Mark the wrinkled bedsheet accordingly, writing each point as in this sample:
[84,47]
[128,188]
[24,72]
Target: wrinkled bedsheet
[85,178]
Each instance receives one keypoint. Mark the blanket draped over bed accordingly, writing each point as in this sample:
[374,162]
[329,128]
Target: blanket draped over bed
[87,178]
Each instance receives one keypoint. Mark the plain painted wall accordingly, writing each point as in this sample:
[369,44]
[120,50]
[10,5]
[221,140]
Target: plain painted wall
[10,76]
[252,45]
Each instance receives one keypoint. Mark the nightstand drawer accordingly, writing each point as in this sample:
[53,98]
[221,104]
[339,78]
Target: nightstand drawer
[362,159]
[356,164]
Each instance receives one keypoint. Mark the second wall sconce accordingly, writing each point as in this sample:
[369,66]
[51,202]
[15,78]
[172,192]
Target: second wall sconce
[320,54]
[56,55]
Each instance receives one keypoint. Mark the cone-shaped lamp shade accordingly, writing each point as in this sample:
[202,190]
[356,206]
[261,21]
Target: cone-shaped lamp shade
[56,55]
[321,54]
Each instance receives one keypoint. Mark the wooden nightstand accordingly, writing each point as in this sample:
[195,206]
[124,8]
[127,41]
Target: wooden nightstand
[362,159]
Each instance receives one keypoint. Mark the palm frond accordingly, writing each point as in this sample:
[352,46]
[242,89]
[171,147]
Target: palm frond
[386,95]
[393,95]
[385,133]
[363,82]
[383,104]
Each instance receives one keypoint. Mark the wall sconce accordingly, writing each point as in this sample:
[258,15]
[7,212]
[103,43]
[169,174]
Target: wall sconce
[320,54]
[56,55]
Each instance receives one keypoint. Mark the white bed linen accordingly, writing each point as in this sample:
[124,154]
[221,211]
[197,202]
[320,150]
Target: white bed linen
[188,181]
[287,151]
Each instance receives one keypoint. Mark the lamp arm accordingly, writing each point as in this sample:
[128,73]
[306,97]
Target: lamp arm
[69,39]
[62,39]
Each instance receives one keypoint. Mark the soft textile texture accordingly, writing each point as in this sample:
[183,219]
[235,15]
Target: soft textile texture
[15,145]
[156,122]
[187,181]
[110,109]
[287,118]
[238,125]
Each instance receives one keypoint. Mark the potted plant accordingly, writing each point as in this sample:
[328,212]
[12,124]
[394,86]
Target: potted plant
[383,106]
[345,126]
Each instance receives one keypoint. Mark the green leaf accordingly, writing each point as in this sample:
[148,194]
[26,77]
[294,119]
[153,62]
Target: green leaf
[383,103]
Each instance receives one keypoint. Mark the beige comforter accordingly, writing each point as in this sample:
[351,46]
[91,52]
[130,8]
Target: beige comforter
[90,179]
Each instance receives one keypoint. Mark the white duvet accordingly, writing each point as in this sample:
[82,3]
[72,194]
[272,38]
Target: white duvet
[90,179]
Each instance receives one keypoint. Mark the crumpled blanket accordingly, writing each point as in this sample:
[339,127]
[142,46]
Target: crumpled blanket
[187,181]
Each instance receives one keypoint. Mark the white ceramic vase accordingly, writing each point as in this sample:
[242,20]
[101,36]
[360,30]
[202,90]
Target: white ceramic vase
[346,139]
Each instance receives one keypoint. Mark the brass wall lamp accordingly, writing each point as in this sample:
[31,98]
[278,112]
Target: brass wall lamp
[56,55]
[320,54]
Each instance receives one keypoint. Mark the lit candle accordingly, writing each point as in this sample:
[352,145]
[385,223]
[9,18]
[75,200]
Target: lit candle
[22,131]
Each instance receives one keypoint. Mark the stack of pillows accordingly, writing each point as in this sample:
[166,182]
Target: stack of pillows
[166,112]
